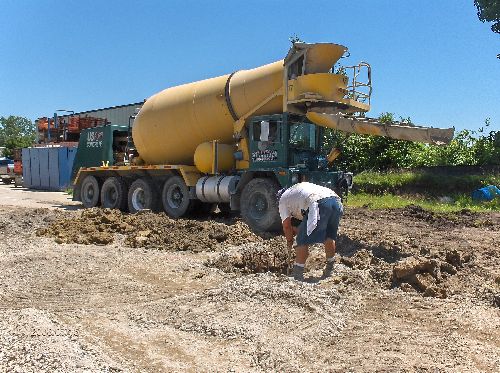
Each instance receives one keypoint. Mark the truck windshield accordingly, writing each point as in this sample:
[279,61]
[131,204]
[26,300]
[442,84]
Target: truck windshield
[303,135]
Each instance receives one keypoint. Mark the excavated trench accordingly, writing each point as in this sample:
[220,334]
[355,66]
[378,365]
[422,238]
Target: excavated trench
[412,249]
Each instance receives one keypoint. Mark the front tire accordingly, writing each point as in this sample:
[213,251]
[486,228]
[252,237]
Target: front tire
[259,206]
[142,196]
[90,192]
[343,191]
[114,194]
[175,197]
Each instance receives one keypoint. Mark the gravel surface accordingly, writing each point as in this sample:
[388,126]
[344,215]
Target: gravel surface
[411,292]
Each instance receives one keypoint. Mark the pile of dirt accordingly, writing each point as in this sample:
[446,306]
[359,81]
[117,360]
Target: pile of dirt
[464,217]
[269,256]
[150,230]
[14,223]
[412,249]
[427,275]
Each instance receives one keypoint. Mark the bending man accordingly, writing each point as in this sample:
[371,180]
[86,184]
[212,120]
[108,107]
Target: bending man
[319,209]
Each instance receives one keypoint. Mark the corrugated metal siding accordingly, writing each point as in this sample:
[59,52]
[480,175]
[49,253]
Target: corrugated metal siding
[48,168]
[44,168]
[118,115]
[35,168]
[53,169]
[66,159]
[26,168]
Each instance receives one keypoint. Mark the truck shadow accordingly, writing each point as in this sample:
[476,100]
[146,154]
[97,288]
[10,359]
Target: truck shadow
[68,207]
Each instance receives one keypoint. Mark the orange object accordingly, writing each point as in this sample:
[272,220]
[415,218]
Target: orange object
[18,167]
[42,124]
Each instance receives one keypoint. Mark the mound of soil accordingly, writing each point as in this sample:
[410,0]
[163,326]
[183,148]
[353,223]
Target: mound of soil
[269,256]
[411,248]
[150,230]
[464,217]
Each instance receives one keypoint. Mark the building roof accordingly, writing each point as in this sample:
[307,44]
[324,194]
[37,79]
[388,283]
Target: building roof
[100,109]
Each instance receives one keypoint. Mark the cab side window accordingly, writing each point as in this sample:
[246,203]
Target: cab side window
[266,131]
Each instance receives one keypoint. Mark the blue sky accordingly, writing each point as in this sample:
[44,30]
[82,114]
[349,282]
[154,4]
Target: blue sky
[433,61]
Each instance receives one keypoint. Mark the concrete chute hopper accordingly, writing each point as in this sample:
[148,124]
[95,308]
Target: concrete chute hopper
[369,126]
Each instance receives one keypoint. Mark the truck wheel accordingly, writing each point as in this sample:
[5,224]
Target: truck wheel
[142,196]
[90,192]
[259,207]
[175,197]
[114,193]
[7,181]
[343,191]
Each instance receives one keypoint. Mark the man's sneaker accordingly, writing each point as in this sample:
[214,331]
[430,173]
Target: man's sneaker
[327,271]
[298,273]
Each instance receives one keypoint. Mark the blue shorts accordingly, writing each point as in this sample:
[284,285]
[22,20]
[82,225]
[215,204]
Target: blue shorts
[330,212]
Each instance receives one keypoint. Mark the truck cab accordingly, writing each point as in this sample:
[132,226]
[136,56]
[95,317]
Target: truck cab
[7,170]
[292,147]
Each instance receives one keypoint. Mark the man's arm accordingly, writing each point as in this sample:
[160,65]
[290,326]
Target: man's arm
[288,231]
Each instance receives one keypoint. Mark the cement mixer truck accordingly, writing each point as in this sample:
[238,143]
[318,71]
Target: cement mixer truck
[233,141]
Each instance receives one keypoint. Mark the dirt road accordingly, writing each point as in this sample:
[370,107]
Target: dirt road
[412,292]
[23,197]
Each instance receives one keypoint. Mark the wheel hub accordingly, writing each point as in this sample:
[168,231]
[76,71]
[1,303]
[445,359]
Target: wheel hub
[258,206]
[112,195]
[89,193]
[138,199]
[174,196]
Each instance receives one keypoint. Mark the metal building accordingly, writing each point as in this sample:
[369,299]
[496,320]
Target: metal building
[66,125]
[114,115]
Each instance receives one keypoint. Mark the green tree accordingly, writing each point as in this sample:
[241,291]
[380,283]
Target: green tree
[489,11]
[364,152]
[16,132]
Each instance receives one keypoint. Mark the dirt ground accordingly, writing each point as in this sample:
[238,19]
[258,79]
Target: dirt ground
[98,290]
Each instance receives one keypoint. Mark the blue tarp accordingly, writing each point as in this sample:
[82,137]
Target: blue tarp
[488,193]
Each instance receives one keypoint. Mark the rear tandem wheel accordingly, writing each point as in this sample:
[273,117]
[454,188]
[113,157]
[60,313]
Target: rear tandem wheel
[114,193]
[142,195]
[175,197]
[90,192]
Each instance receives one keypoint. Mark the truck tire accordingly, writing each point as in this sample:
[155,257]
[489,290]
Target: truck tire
[90,192]
[142,195]
[114,193]
[7,181]
[175,197]
[342,190]
[259,206]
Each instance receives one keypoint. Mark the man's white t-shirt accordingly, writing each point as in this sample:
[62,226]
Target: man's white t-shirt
[302,197]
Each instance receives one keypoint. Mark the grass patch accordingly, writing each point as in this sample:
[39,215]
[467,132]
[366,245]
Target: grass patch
[388,200]
[423,183]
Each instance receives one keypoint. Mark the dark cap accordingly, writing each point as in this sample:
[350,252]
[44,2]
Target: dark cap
[280,193]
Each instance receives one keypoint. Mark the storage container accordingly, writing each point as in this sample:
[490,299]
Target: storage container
[48,168]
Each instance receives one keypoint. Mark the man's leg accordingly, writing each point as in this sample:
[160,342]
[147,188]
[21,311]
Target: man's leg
[330,256]
[336,210]
[329,248]
[301,254]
